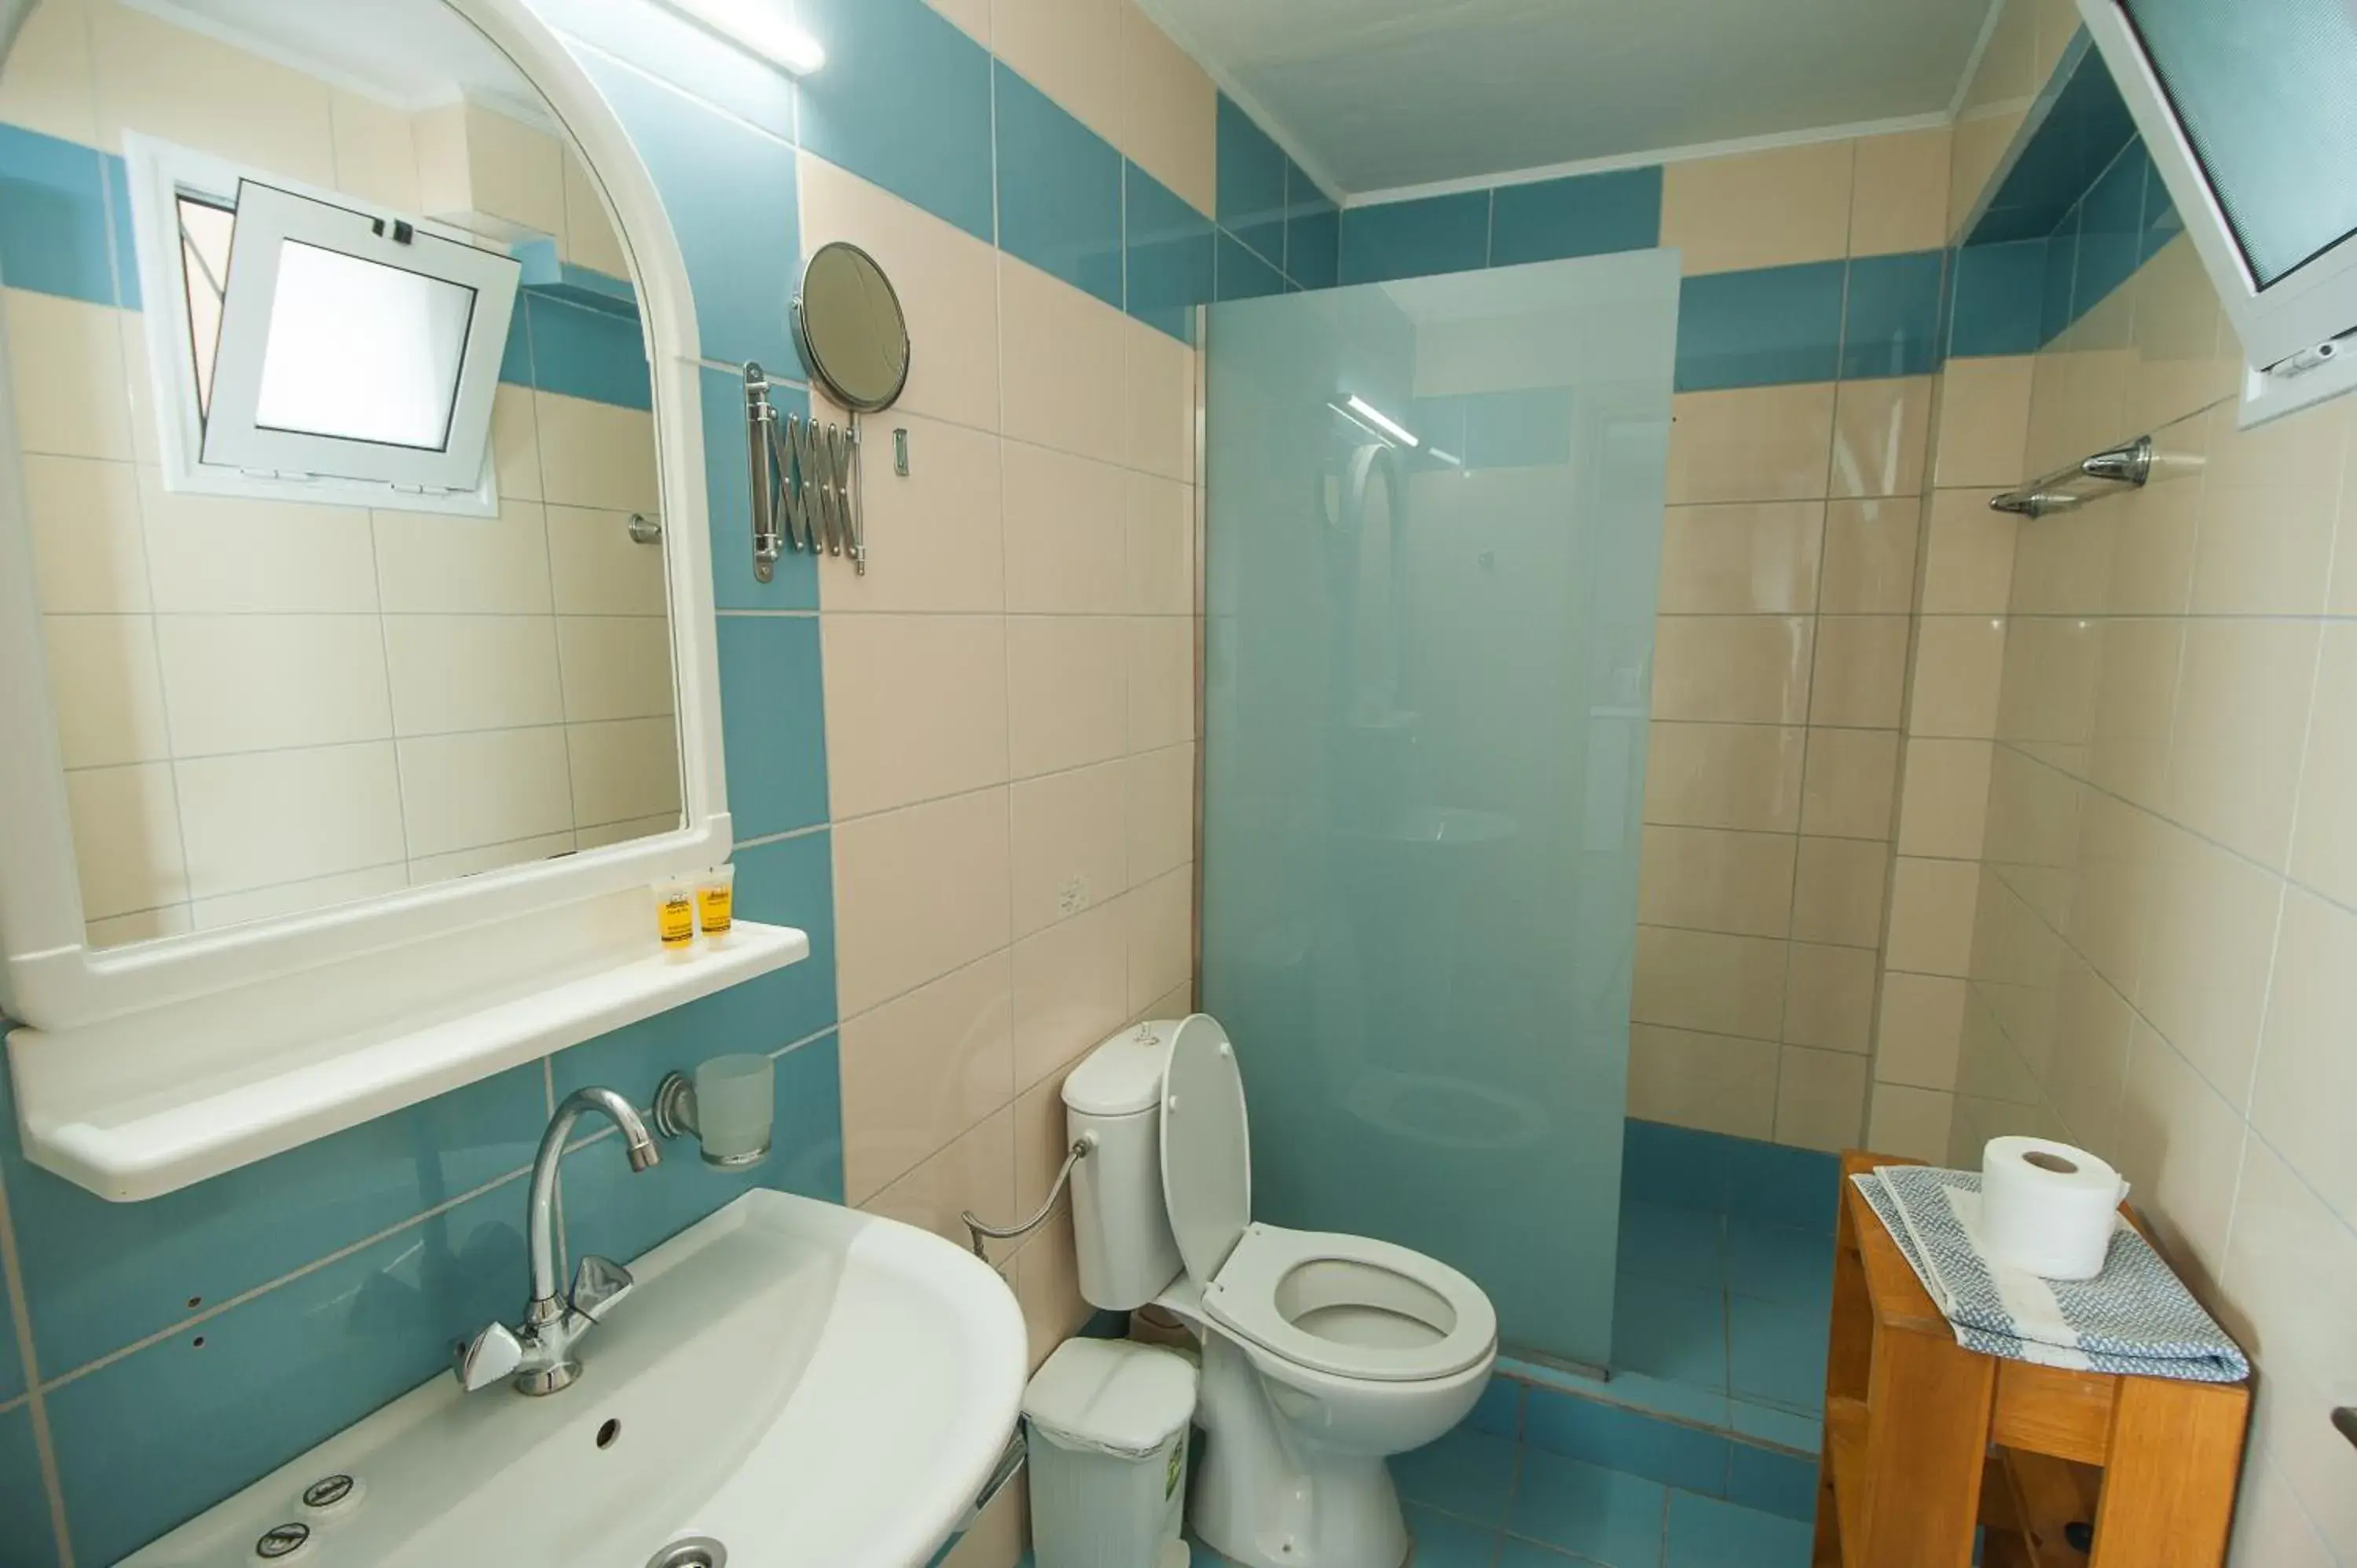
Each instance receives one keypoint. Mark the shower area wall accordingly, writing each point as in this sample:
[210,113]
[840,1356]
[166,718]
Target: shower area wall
[1433,531]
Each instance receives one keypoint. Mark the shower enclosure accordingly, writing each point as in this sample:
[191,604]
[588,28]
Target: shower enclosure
[1433,524]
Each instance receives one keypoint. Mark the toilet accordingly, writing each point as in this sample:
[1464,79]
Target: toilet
[1323,1354]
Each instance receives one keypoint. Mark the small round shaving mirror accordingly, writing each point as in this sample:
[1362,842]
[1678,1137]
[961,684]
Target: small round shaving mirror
[850,328]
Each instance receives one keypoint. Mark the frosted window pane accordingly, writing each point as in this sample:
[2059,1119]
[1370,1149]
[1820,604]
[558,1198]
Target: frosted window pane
[2262,88]
[362,351]
[205,232]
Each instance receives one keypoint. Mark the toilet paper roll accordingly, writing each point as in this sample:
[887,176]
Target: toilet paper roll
[2046,1208]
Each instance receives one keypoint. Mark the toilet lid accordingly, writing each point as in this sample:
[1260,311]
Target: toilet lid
[1206,1147]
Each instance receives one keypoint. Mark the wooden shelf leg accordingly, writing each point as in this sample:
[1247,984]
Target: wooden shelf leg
[1927,1439]
[2169,1479]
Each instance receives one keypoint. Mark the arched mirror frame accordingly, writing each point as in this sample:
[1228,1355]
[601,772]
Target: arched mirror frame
[548,918]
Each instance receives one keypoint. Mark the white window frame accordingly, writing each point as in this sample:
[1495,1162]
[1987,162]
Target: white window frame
[2280,326]
[160,174]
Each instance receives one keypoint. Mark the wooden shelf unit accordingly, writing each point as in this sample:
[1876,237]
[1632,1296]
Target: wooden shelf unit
[1925,1439]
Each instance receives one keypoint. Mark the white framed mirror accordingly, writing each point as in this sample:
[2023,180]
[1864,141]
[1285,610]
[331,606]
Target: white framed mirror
[355,597]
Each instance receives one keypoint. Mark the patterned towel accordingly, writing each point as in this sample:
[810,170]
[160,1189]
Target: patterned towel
[2134,1317]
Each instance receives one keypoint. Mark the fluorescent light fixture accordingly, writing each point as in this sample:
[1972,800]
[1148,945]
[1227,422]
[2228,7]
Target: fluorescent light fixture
[1451,458]
[1382,422]
[760,28]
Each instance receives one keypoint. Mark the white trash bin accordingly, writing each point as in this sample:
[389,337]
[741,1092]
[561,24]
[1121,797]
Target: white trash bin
[1107,1422]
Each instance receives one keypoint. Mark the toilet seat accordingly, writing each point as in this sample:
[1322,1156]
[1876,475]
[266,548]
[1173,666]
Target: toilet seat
[1348,1305]
[1352,1306]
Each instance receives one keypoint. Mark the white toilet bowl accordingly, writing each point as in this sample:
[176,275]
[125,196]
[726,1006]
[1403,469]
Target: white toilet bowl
[1323,1354]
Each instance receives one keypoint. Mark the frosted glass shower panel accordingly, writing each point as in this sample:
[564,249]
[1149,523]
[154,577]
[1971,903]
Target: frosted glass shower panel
[1433,540]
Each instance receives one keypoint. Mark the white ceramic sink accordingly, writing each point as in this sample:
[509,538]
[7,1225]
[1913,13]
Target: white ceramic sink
[811,1387]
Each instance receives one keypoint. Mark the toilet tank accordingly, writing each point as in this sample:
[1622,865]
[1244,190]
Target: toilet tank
[1120,1228]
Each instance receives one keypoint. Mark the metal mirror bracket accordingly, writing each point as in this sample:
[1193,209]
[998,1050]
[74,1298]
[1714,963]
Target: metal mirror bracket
[761,434]
[2130,464]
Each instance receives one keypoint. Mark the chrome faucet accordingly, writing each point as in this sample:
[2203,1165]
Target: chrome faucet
[539,1355]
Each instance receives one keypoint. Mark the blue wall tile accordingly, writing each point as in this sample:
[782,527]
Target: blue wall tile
[99,1276]
[1242,274]
[1890,324]
[2111,231]
[2077,137]
[1586,215]
[1999,299]
[1312,231]
[716,174]
[1168,249]
[790,882]
[1595,1513]
[126,248]
[1765,327]
[1499,1411]
[12,1367]
[1800,1189]
[2057,307]
[26,1538]
[1772,1483]
[1675,1166]
[664,44]
[1622,1439]
[53,218]
[775,728]
[1417,239]
[618,1214]
[1252,183]
[1706,1533]
[2162,222]
[587,353]
[727,480]
[1059,190]
[904,101]
[146,1442]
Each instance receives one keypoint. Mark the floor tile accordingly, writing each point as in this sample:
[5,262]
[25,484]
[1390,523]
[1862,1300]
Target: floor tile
[1706,1533]
[1708,1406]
[1803,1433]
[1499,1411]
[1619,1438]
[1779,1263]
[1776,1353]
[1603,1515]
[1671,1331]
[1676,1246]
[1444,1543]
[1469,1474]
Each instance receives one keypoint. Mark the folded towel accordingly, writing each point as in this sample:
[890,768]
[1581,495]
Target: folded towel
[2134,1317]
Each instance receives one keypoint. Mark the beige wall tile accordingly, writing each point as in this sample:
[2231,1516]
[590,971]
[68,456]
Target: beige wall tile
[186,87]
[126,839]
[1072,51]
[261,682]
[1758,209]
[595,567]
[1837,891]
[974,1172]
[1754,444]
[1861,671]
[376,158]
[616,667]
[1901,199]
[467,672]
[1715,881]
[1066,533]
[1880,429]
[1741,560]
[107,690]
[1912,1124]
[922,1069]
[589,237]
[67,377]
[998,1538]
[1060,352]
[1980,146]
[1851,776]
[2324,841]
[623,770]
[1071,843]
[918,893]
[1161,681]
[1715,985]
[1959,666]
[936,539]
[1161,527]
[1158,392]
[1161,937]
[1172,109]
[1921,1030]
[1829,997]
[1820,1099]
[90,555]
[457,792]
[1870,557]
[1071,989]
[916,708]
[2270,497]
[1160,795]
[2241,721]
[1067,692]
[1968,556]
[1931,905]
[596,454]
[1944,806]
[500,565]
[2204,980]
[1714,1082]
[1725,776]
[948,284]
[2182,1146]
[1985,422]
[283,816]
[47,85]
[1741,669]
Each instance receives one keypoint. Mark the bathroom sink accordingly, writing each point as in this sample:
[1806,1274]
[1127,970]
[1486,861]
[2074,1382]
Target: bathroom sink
[803,1384]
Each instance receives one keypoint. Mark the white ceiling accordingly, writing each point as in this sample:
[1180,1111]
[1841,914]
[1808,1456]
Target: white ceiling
[1377,94]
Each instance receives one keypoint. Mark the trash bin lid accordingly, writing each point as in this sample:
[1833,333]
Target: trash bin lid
[1112,1396]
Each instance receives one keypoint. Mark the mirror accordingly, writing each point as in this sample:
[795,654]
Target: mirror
[849,325]
[338,452]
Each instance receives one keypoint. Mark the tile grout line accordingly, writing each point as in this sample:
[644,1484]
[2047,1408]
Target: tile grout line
[12,1282]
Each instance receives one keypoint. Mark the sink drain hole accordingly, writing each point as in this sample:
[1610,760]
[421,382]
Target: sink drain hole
[696,1551]
[609,1432]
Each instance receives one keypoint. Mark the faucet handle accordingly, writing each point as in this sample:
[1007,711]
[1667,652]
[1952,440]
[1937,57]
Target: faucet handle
[598,1286]
[495,1354]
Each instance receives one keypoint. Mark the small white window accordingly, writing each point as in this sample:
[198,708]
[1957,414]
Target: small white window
[304,347]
